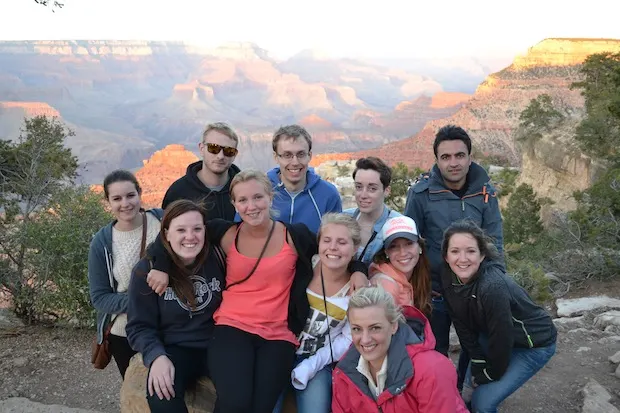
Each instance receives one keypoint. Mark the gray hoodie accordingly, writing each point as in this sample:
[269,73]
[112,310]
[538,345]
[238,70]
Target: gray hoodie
[101,282]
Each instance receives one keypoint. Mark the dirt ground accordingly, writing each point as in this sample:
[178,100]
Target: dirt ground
[52,366]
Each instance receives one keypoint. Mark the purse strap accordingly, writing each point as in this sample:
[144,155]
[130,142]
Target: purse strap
[143,242]
[259,257]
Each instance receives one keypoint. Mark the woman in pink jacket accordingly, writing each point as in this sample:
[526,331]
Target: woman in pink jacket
[392,366]
[401,266]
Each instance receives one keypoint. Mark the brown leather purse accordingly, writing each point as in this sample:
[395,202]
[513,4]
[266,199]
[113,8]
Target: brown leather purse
[100,353]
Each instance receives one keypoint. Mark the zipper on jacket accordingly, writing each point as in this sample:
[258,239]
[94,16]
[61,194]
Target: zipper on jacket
[529,339]
[290,219]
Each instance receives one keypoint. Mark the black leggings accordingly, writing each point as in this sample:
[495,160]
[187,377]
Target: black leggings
[121,351]
[248,372]
[189,365]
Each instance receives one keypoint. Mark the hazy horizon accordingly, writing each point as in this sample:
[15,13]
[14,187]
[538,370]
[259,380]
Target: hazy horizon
[398,29]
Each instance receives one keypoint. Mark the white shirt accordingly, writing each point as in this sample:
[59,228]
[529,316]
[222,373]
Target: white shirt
[378,387]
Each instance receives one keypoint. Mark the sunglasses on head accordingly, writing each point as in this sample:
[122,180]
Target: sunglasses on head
[215,149]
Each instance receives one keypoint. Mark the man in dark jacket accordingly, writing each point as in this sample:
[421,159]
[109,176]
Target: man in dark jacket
[209,180]
[456,188]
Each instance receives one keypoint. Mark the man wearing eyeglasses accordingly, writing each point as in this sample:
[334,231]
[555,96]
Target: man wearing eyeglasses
[300,194]
[209,180]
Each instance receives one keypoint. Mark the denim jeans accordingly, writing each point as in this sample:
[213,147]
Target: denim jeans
[316,397]
[524,364]
[440,324]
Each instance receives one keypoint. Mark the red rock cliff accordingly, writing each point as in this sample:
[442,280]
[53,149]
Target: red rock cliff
[31,109]
[160,171]
[492,115]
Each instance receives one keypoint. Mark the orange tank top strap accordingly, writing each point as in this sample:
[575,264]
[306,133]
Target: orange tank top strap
[273,225]
[237,235]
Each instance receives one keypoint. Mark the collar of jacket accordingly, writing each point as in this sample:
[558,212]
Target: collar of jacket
[477,178]
[192,175]
[378,225]
[274,176]
[400,367]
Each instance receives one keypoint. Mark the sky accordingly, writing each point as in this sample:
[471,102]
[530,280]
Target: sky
[340,28]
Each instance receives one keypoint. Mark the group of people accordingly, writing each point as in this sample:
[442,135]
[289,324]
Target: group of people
[262,283]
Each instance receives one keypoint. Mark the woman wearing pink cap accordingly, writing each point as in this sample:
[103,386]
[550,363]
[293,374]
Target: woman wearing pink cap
[401,266]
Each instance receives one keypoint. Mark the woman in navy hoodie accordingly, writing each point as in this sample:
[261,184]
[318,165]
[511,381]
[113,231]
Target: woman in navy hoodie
[114,251]
[172,331]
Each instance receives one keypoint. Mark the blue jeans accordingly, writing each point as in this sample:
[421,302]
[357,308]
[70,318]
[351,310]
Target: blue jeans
[524,364]
[316,397]
[440,324]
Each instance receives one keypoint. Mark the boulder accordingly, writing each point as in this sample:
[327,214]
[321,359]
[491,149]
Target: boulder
[8,319]
[609,318]
[568,323]
[569,307]
[199,400]
[605,341]
[133,391]
[596,399]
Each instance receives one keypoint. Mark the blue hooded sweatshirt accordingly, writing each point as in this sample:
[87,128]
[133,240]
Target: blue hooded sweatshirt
[307,207]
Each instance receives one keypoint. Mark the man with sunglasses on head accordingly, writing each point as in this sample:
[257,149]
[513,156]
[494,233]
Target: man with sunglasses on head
[209,180]
[300,194]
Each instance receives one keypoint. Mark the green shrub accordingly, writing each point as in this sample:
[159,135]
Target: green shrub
[531,276]
[402,178]
[522,216]
[58,240]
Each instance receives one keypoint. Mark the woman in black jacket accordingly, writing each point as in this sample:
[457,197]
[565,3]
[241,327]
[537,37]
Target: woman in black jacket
[509,337]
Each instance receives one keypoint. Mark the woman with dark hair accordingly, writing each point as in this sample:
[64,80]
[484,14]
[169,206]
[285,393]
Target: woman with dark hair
[401,266]
[509,337]
[172,331]
[114,251]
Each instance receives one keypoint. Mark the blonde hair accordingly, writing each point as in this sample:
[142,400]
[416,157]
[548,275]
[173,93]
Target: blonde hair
[376,297]
[251,175]
[222,128]
[338,218]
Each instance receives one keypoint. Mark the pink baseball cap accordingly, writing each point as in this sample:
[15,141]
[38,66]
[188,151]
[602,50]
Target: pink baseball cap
[399,227]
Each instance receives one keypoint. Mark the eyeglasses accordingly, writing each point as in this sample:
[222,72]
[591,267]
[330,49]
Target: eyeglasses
[301,156]
[215,149]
